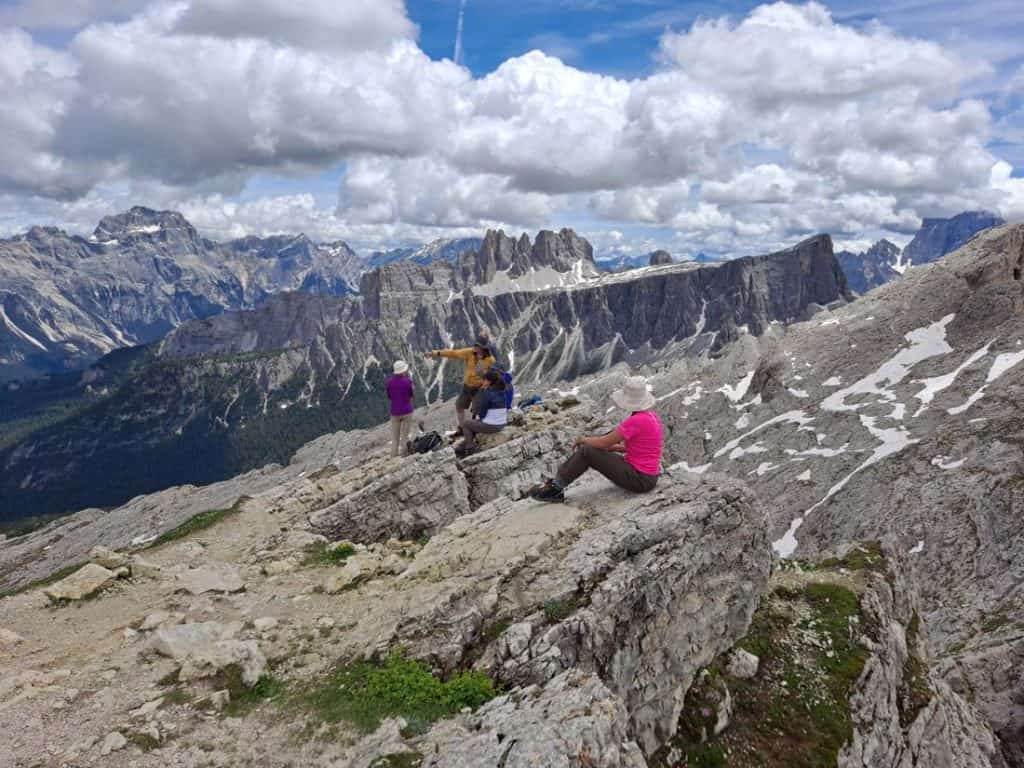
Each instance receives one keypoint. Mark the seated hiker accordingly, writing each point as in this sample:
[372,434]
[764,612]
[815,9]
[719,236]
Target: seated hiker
[639,437]
[401,392]
[490,412]
[478,359]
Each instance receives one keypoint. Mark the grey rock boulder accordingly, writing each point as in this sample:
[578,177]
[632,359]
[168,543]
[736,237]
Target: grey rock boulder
[206,648]
[419,498]
[574,720]
[85,582]
[211,578]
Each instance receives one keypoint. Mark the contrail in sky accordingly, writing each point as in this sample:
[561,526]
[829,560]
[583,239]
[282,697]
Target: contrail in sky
[458,33]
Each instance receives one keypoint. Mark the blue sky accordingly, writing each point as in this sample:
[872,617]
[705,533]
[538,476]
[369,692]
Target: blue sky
[728,127]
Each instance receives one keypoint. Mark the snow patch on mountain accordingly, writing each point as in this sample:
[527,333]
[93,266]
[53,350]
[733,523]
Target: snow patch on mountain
[937,384]
[926,342]
[739,391]
[18,332]
[536,279]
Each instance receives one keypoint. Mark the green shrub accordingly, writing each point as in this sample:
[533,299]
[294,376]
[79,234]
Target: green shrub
[364,694]
[326,556]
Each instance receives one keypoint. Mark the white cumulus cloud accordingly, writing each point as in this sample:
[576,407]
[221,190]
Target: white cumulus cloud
[756,130]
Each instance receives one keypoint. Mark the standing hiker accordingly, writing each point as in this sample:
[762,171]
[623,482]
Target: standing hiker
[490,413]
[478,359]
[639,437]
[401,392]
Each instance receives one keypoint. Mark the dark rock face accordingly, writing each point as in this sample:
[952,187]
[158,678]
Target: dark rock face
[559,251]
[68,300]
[661,258]
[874,267]
[941,236]
[238,390]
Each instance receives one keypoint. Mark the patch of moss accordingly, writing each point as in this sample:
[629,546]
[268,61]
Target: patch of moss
[245,698]
[325,556]
[559,610]
[493,631]
[144,741]
[866,556]
[995,621]
[171,678]
[199,522]
[915,694]
[178,696]
[365,694]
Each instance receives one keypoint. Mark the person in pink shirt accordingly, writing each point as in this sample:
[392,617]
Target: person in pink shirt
[629,455]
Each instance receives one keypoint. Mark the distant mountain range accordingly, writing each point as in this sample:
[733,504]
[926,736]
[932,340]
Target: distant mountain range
[884,261]
[438,250]
[620,261]
[67,300]
[232,392]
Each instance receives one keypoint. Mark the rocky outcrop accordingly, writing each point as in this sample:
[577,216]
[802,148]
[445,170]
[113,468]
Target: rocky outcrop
[891,416]
[574,720]
[641,592]
[420,497]
[660,259]
[903,713]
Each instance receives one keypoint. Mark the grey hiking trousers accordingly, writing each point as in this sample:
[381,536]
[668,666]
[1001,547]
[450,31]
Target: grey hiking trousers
[400,434]
[473,427]
[612,465]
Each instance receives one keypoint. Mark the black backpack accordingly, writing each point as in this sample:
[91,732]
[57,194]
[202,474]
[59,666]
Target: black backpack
[426,443]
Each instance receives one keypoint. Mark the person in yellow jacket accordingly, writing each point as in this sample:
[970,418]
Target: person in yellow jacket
[478,359]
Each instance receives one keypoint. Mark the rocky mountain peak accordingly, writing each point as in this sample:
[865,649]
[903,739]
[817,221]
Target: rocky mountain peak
[660,258]
[937,236]
[884,248]
[144,222]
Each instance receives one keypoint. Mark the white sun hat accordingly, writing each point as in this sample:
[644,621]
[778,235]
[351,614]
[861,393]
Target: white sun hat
[401,367]
[634,395]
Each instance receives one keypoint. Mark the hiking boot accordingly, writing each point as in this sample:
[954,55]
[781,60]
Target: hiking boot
[549,492]
[461,451]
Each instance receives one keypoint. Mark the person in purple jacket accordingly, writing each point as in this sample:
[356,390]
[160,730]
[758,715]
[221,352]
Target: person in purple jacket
[400,392]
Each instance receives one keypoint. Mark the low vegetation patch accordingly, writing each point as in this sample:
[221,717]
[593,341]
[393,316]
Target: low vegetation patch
[245,698]
[866,556]
[559,610]
[325,555]
[144,741]
[200,522]
[795,712]
[915,693]
[364,694]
